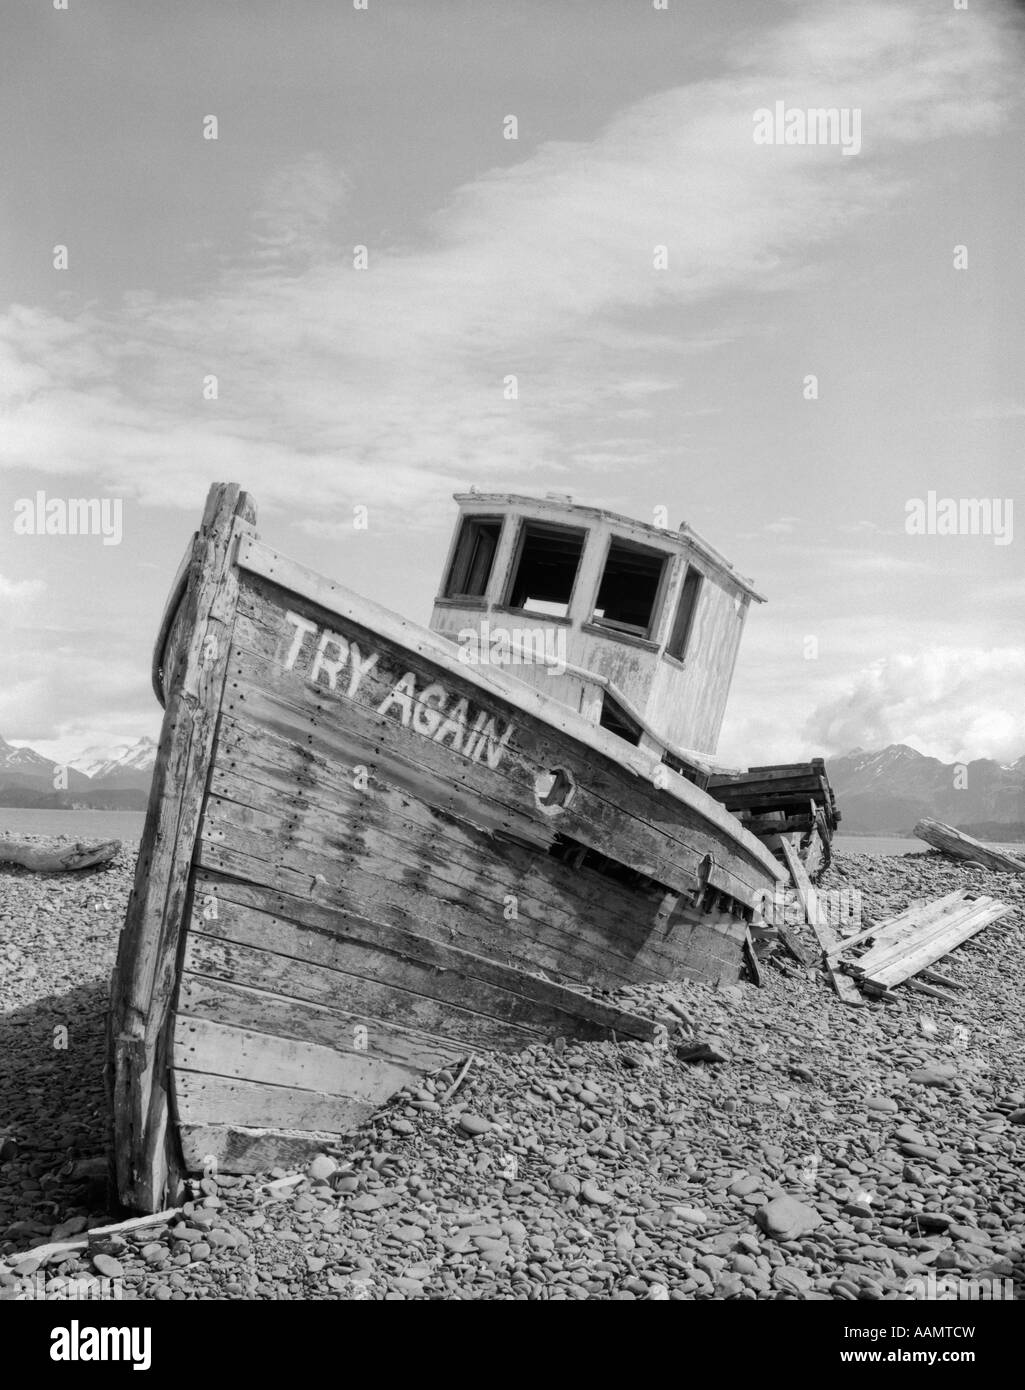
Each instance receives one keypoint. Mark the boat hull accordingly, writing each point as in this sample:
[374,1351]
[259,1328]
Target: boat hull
[364,861]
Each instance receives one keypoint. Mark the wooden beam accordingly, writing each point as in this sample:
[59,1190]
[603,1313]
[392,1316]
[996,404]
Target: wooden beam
[146,1159]
[751,959]
[792,945]
[931,991]
[937,979]
[777,823]
[827,939]
[60,859]
[957,845]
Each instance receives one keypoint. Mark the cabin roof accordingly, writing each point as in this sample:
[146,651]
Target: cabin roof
[683,539]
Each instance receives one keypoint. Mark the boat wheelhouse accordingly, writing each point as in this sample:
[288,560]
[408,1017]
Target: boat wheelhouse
[633,625]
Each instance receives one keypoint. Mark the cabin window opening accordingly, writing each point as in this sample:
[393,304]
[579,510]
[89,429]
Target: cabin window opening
[546,569]
[474,557]
[629,589]
[683,624]
[615,718]
[578,856]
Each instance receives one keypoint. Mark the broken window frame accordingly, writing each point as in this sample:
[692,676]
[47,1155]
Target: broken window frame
[615,626]
[464,556]
[617,721]
[685,618]
[530,525]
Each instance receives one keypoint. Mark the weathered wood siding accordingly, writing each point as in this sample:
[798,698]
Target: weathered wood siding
[688,700]
[374,893]
[296,1016]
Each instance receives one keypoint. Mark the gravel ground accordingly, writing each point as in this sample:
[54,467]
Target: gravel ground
[833,1153]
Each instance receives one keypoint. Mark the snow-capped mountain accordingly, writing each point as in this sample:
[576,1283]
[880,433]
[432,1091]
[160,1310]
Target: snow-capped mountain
[112,778]
[121,761]
[888,790]
[25,770]
[23,763]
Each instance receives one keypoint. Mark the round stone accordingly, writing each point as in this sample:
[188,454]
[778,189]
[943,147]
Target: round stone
[474,1124]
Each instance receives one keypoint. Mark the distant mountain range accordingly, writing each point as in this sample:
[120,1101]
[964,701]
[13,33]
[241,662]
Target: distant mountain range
[886,792]
[881,793]
[103,779]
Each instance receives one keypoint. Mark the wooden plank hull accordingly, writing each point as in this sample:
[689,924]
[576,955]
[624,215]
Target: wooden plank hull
[377,861]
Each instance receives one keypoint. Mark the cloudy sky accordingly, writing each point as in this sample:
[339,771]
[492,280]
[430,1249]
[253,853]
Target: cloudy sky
[682,386]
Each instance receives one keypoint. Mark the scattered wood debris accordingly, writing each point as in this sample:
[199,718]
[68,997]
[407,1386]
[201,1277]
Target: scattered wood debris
[960,846]
[923,938]
[908,944]
[885,954]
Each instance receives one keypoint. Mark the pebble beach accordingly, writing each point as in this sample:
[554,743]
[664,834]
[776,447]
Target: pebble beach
[827,1153]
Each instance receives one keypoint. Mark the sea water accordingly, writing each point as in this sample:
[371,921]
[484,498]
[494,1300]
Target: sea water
[78,825]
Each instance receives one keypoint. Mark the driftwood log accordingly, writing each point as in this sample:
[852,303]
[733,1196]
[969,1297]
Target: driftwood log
[48,860]
[98,1236]
[960,846]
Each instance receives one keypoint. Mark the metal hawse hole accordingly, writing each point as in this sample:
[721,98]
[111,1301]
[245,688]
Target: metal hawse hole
[554,790]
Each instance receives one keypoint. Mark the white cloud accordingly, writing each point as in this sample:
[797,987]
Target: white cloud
[75,696]
[12,589]
[384,386]
[947,702]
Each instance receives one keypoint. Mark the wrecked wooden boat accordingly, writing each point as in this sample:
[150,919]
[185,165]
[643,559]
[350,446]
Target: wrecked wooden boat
[370,851]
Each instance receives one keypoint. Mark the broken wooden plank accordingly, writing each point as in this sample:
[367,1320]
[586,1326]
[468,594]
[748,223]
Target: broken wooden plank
[792,946]
[931,991]
[801,881]
[777,823]
[938,946]
[878,992]
[751,959]
[934,977]
[238,1149]
[960,846]
[827,939]
[883,955]
[892,927]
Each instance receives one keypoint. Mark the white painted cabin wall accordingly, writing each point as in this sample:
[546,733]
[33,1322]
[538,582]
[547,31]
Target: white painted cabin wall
[685,703]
